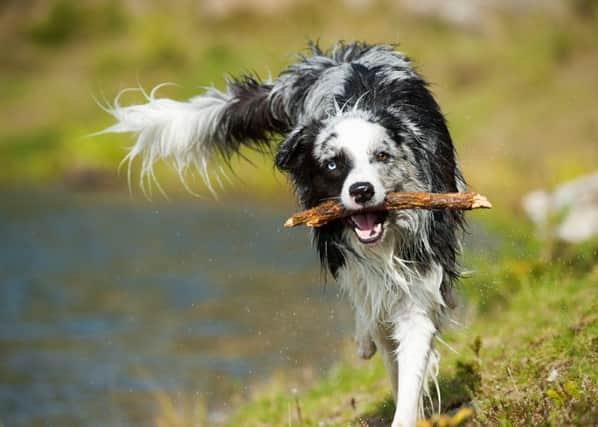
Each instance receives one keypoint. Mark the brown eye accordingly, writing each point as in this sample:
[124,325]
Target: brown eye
[382,156]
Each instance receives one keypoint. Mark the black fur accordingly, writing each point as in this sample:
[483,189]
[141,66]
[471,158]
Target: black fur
[389,101]
[250,120]
[381,82]
[322,94]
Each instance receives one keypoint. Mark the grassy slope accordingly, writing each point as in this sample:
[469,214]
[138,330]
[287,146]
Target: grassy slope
[510,91]
[527,317]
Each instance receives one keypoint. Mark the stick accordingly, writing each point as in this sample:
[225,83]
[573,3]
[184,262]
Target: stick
[331,209]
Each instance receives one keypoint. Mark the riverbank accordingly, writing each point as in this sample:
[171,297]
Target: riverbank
[105,298]
[526,353]
[519,94]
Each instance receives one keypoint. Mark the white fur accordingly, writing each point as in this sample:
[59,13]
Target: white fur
[378,56]
[398,311]
[398,305]
[180,132]
[358,139]
[414,331]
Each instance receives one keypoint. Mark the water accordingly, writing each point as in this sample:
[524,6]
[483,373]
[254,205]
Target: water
[106,301]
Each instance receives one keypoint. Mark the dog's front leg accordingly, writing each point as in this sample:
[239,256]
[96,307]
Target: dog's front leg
[414,331]
[383,339]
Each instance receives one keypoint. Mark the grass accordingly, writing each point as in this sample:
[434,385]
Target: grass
[527,354]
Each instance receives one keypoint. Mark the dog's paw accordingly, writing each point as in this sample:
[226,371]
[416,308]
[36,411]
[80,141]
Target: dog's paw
[365,347]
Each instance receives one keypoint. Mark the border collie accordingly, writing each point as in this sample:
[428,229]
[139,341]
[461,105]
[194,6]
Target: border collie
[356,122]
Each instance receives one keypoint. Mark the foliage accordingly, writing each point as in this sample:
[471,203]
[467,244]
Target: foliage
[60,24]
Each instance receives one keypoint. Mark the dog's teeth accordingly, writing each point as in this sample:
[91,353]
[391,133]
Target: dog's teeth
[370,235]
[362,234]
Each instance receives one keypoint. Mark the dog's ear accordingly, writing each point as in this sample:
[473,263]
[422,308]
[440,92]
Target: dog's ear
[289,153]
[292,151]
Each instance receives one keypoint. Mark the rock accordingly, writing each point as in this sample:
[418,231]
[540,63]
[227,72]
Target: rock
[569,213]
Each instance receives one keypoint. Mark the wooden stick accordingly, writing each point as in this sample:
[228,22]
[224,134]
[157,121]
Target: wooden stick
[331,209]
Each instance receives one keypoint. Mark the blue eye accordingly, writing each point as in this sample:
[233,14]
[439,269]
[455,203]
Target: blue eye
[331,165]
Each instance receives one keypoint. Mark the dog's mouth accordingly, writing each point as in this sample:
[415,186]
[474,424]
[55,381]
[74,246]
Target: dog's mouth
[368,226]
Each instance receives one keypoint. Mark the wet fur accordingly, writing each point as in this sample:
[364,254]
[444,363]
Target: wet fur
[400,288]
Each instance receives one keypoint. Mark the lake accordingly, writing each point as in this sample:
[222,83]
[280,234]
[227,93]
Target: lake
[107,300]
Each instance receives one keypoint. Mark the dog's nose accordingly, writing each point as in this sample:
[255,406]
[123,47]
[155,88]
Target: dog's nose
[361,192]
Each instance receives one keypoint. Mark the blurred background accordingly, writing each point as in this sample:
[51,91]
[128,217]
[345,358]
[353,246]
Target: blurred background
[108,299]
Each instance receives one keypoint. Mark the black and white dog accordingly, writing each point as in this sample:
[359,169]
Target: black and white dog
[357,122]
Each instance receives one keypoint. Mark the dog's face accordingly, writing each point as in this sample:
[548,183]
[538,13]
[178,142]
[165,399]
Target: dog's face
[365,125]
[355,160]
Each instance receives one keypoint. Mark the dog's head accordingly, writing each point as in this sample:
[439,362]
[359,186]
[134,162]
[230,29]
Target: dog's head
[366,127]
[355,158]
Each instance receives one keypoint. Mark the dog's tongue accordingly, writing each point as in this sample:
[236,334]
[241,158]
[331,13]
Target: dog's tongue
[365,221]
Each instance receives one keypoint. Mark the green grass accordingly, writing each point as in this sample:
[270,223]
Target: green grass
[527,353]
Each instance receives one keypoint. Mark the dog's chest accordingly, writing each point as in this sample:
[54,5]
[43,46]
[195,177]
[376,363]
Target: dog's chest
[380,287]
[374,285]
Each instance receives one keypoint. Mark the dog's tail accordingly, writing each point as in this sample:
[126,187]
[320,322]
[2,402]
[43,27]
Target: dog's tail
[189,134]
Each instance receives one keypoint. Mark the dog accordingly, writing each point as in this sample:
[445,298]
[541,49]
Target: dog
[357,121]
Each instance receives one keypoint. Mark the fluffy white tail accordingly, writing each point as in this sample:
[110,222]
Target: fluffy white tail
[188,134]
